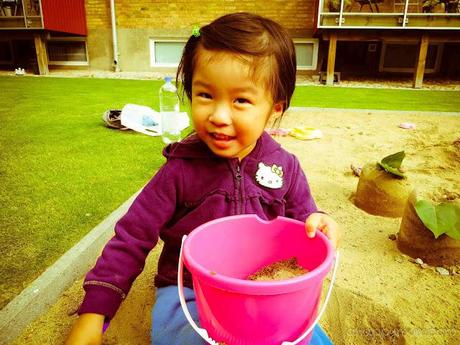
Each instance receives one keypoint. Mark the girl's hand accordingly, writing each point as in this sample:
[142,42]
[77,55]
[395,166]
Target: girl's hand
[87,330]
[325,224]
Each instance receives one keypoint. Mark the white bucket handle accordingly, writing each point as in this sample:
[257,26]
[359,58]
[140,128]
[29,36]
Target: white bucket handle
[180,286]
[204,334]
[323,307]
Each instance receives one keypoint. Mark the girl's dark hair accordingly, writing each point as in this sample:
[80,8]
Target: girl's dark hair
[248,36]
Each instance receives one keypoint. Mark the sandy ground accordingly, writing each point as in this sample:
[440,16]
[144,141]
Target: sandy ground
[381,296]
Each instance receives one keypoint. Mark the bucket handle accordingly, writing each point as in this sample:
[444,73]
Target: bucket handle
[323,307]
[180,286]
[204,334]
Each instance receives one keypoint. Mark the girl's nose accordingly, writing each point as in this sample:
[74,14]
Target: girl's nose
[222,115]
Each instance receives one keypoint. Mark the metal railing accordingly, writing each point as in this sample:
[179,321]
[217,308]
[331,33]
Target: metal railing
[396,14]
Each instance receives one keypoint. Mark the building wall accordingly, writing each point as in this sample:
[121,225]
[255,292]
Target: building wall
[183,14]
[99,39]
[139,21]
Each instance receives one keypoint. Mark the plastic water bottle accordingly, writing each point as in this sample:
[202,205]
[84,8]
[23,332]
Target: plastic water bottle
[169,110]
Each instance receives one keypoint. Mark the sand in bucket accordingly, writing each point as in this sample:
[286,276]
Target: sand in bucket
[280,270]
[222,254]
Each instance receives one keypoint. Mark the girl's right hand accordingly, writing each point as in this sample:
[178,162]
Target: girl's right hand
[87,330]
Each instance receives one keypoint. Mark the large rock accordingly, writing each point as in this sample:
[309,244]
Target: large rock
[381,193]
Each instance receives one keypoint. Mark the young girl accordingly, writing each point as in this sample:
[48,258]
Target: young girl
[239,74]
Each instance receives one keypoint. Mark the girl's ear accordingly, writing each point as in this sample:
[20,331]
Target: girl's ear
[278,109]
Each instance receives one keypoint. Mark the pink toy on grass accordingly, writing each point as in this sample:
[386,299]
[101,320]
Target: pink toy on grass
[407,125]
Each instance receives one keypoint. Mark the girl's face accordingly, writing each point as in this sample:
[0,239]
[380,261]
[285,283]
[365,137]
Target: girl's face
[229,108]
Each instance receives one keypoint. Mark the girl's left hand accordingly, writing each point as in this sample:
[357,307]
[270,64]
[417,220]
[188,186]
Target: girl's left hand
[325,224]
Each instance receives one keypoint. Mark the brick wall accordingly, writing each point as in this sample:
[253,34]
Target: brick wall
[180,14]
[97,14]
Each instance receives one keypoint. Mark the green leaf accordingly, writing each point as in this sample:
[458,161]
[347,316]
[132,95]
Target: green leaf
[427,214]
[440,219]
[394,160]
[392,163]
[449,219]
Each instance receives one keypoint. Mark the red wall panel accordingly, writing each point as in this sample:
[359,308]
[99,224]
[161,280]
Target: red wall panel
[64,16]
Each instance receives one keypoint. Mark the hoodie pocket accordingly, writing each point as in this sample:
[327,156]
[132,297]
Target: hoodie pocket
[214,195]
[273,207]
[211,205]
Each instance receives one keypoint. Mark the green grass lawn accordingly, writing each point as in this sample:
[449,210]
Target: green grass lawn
[367,98]
[62,171]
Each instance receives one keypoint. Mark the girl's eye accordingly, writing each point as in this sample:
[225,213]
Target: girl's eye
[242,101]
[204,95]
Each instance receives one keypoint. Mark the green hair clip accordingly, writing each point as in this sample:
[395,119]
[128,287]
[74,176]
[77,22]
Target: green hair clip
[196,31]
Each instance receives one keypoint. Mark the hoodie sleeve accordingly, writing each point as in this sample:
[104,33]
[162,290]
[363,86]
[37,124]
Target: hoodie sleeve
[299,201]
[136,233]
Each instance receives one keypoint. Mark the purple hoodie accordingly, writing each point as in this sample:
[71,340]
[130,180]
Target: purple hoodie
[194,186]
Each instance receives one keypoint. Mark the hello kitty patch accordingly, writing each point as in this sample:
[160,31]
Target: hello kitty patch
[270,176]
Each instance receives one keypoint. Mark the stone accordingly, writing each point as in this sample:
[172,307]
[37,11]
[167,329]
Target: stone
[418,261]
[442,271]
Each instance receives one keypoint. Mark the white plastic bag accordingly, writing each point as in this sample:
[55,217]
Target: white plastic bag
[145,120]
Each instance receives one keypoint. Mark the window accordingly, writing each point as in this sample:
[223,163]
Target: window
[6,54]
[402,57]
[166,53]
[67,51]
[306,53]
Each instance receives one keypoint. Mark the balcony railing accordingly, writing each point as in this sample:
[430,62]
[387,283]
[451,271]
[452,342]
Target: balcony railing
[21,14]
[389,14]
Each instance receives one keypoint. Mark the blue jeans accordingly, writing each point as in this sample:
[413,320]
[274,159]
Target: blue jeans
[170,327]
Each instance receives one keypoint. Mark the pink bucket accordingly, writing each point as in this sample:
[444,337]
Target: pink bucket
[221,254]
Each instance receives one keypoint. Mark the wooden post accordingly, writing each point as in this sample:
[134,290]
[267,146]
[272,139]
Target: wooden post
[331,59]
[420,63]
[42,54]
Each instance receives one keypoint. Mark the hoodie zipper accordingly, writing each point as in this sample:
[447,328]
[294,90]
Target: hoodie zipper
[239,202]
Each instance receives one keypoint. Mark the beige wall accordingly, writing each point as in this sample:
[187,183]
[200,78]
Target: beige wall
[140,20]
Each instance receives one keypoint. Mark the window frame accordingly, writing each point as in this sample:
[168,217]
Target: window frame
[315,42]
[152,47]
[69,63]
[437,63]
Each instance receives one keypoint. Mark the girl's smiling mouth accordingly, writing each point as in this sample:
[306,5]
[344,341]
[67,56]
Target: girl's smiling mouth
[220,136]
